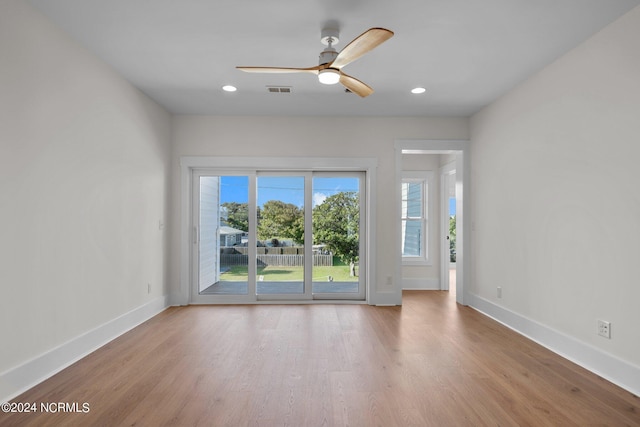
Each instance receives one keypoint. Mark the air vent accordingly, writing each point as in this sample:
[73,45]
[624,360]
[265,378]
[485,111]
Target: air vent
[279,89]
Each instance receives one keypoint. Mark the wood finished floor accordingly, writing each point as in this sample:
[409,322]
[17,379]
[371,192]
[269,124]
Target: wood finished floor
[427,363]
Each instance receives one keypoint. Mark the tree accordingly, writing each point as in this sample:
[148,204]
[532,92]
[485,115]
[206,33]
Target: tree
[281,220]
[237,215]
[336,223]
[452,238]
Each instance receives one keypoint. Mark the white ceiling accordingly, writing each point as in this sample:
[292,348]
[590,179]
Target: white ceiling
[466,53]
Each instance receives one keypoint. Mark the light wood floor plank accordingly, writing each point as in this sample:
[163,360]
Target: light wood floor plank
[430,362]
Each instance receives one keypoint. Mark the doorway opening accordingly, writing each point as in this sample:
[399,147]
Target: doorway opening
[455,165]
[448,207]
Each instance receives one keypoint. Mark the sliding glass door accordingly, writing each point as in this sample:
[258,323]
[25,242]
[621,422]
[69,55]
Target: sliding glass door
[338,222]
[267,235]
[221,234]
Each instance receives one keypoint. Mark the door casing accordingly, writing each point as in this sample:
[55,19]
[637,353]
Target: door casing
[223,165]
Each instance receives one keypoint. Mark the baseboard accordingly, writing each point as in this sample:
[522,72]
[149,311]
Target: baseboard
[421,284]
[176,299]
[17,380]
[609,367]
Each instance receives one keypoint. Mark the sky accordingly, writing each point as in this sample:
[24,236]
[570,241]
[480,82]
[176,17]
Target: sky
[289,189]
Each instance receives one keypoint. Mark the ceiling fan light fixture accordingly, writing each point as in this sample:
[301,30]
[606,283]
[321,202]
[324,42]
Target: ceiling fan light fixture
[329,76]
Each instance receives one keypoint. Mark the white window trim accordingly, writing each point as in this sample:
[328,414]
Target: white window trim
[427,177]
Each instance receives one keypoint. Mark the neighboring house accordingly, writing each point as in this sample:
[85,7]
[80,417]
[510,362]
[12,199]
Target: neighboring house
[230,236]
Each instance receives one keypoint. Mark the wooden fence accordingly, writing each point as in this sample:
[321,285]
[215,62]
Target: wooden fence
[272,256]
[264,250]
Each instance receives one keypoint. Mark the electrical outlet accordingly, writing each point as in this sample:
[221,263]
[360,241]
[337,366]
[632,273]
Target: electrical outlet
[604,329]
[499,292]
[389,280]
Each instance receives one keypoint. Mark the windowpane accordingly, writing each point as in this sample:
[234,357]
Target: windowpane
[280,232]
[223,230]
[336,234]
[412,241]
[412,199]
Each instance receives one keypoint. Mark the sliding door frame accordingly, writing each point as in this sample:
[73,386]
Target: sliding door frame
[232,165]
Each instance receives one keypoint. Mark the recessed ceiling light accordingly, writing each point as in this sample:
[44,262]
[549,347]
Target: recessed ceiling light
[418,90]
[229,88]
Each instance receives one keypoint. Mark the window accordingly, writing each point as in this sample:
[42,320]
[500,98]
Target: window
[415,217]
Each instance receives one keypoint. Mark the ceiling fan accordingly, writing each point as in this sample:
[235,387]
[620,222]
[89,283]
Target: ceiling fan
[331,62]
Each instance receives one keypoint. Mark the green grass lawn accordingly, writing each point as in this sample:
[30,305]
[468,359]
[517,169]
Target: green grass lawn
[340,273]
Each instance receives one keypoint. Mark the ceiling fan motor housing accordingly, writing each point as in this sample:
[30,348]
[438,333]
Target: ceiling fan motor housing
[327,55]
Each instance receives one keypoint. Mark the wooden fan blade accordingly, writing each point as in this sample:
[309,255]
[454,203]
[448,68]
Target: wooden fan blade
[355,85]
[281,69]
[361,45]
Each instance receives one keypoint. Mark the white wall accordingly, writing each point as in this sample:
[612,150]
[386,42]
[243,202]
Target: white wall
[556,203]
[84,161]
[310,137]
